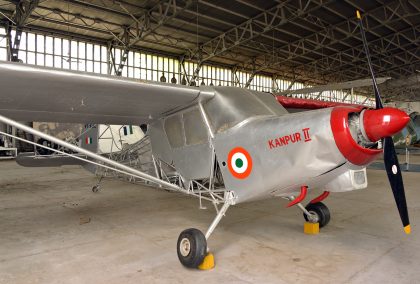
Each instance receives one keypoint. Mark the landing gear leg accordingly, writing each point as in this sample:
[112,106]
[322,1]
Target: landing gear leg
[314,212]
[308,215]
[192,247]
[216,220]
[97,186]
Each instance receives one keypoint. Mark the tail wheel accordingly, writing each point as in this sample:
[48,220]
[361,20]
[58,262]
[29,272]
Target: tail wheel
[96,188]
[44,151]
[320,211]
[191,247]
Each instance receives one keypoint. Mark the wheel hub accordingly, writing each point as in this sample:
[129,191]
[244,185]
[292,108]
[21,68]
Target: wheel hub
[185,247]
[313,217]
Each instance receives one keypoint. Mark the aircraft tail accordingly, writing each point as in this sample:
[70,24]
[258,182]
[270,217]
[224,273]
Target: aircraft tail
[89,140]
[48,158]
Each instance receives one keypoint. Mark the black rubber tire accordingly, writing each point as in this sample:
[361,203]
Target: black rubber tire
[321,210]
[198,248]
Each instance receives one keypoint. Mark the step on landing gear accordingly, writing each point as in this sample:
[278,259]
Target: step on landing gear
[192,247]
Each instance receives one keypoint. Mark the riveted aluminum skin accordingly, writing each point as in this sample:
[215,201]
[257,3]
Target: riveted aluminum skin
[160,145]
[282,168]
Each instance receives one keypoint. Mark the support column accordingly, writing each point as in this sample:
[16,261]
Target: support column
[22,146]
[23,11]
[3,128]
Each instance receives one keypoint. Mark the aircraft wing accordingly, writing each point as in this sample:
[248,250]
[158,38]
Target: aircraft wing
[334,86]
[29,93]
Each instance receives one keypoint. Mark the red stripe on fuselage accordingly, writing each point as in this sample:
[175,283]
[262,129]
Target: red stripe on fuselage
[308,103]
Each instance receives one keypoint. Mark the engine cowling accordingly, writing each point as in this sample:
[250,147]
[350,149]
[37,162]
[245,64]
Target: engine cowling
[357,130]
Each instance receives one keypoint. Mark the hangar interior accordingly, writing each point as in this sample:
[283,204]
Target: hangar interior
[54,229]
[262,45]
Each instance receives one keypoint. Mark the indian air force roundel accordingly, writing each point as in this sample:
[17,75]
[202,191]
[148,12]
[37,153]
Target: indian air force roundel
[239,162]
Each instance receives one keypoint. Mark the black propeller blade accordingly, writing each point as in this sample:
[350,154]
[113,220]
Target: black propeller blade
[390,157]
[378,100]
[394,175]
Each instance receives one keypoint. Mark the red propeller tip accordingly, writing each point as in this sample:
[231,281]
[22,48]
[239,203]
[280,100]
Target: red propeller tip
[385,122]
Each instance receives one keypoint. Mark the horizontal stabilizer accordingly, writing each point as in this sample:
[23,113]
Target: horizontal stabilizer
[32,160]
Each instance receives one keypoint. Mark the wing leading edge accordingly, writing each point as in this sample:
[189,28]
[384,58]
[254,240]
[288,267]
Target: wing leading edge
[30,93]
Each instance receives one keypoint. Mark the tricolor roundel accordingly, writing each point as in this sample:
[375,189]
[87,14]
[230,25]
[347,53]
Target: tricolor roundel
[239,162]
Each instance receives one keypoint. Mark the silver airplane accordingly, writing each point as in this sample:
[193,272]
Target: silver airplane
[224,145]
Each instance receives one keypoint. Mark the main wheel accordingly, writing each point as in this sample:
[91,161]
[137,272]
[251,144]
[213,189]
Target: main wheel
[320,212]
[191,247]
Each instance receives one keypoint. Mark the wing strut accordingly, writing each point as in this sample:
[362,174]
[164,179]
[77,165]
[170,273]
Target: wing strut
[108,162]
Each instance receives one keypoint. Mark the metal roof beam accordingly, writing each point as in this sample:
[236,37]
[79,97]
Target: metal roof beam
[311,50]
[160,14]
[390,11]
[101,8]
[252,28]
[145,25]
[314,42]
[70,17]
[163,40]
[387,18]
[357,52]
[393,69]
[356,56]
[392,60]
[23,10]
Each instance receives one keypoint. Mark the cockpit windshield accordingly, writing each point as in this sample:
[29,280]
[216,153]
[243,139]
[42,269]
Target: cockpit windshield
[231,106]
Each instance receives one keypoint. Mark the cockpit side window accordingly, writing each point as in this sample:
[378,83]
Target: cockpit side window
[175,131]
[195,129]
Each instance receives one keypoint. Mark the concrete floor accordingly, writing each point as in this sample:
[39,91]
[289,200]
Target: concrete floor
[132,235]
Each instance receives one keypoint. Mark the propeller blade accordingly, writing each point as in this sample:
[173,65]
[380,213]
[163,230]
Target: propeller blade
[395,180]
[390,156]
[378,99]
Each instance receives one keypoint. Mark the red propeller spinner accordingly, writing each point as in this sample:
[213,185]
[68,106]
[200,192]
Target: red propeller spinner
[385,122]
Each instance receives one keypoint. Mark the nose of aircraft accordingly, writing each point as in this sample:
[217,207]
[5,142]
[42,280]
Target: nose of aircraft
[385,122]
